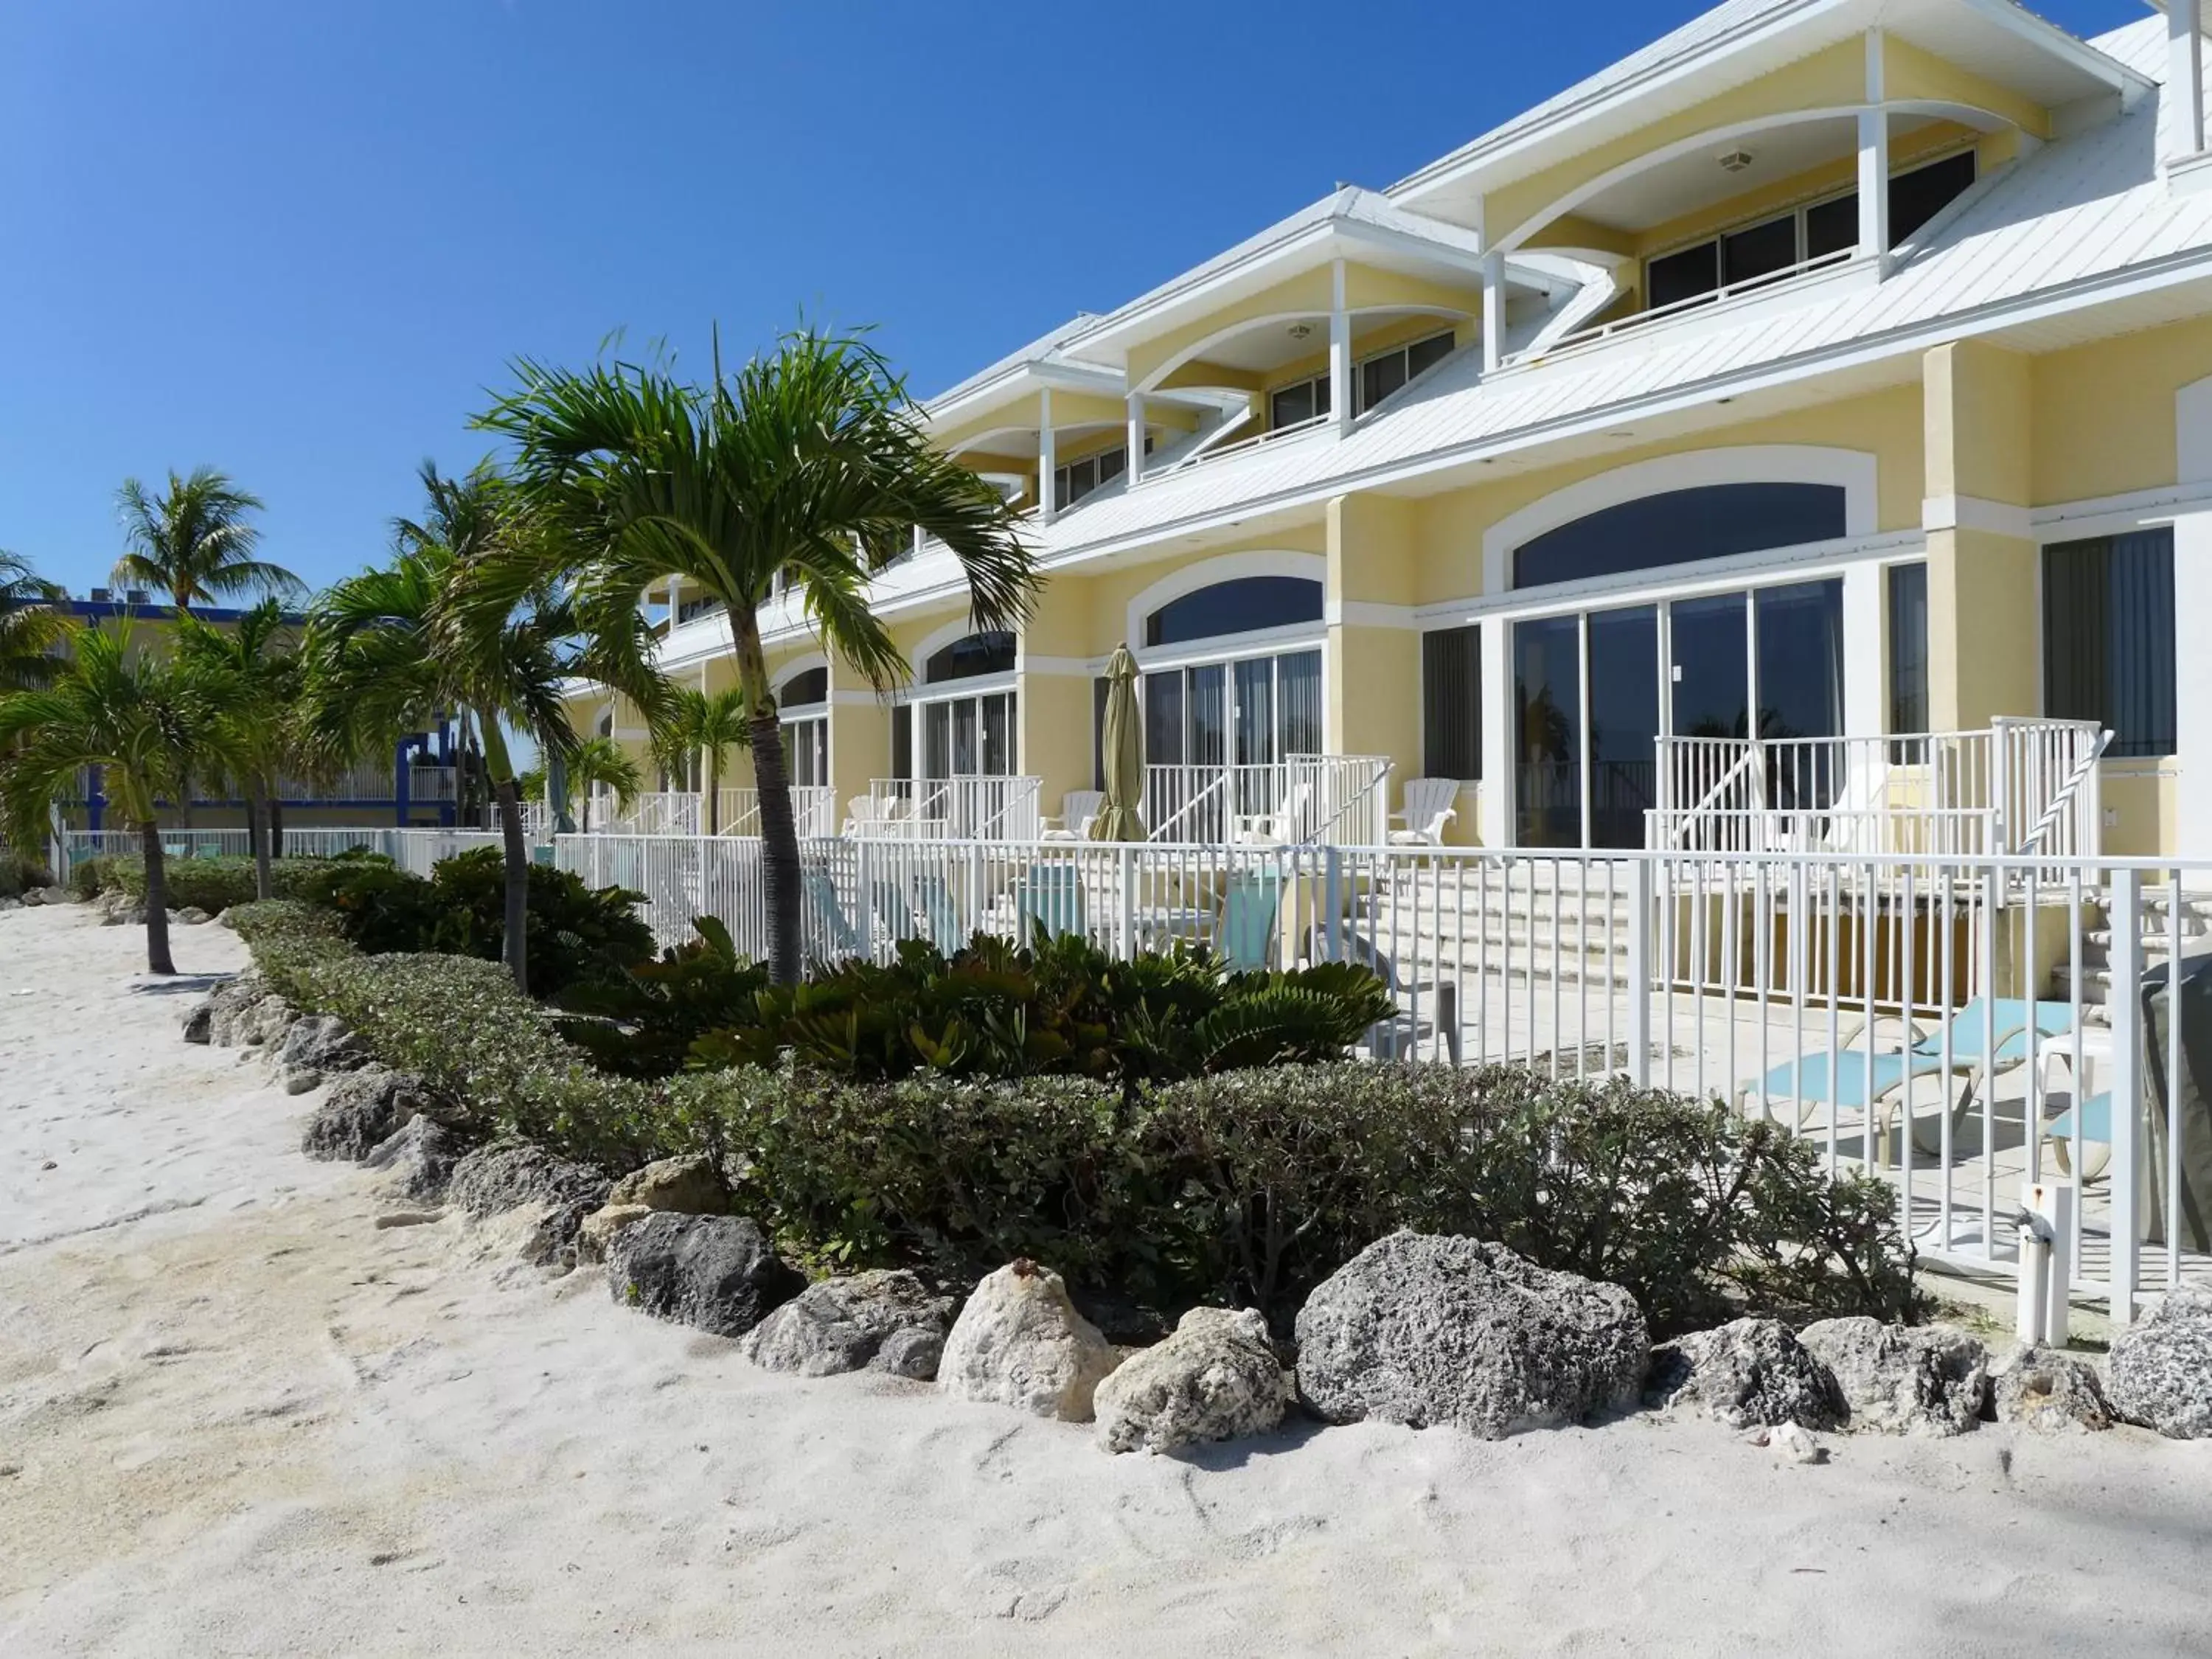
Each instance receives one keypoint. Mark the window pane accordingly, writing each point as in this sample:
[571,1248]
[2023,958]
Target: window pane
[902,742]
[1548,699]
[1297,678]
[1236,607]
[1710,522]
[813,686]
[1908,648]
[1424,355]
[1291,405]
[1712,688]
[2108,649]
[1624,723]
[1683,276]
[1256,713]
[1209,715]
[1163,720]
[1451,704]
[1381,377]
[964,738]
[1113,464]
[1760,251]
[1917,196]
[936,740]
[1321,393]
[1832,227]
[997,757]
[964,659]
[1801,688]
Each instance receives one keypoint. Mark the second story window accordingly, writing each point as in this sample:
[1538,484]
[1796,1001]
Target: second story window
[1769,248]
[1072,482]
[1384,373]
[1298,401]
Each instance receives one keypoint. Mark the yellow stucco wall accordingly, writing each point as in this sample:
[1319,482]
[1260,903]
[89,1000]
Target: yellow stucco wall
[2104,412]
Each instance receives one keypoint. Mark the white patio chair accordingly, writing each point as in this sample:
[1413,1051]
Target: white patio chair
[1431,803]
[1078,808]
[1279,827]
[867,815]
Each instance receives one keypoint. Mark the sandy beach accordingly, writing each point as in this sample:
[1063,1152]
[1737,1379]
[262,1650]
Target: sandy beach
[239,1416]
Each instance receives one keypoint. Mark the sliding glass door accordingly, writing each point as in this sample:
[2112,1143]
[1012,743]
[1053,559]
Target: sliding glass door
[1594,690]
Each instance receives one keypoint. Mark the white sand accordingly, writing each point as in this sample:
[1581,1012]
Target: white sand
[253,1422]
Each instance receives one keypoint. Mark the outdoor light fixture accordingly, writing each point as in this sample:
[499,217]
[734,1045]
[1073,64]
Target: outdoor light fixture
[1736,161]
[1299,330]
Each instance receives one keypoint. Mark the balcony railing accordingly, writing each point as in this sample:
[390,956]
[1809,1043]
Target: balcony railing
[2021,787]
[1583,337]
[1299,800]
[813,810]
[961,809]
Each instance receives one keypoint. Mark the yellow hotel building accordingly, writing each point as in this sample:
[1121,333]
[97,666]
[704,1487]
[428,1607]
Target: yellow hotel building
[1825,374]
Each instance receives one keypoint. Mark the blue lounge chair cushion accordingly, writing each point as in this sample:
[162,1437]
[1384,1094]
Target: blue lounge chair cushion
[1811,1080]
[2096,1121]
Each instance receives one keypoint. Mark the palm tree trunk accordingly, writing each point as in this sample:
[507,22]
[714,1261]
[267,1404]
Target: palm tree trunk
[779,832]
[257,825]
[276,826]
[514,947]
[714,791]
[158,960]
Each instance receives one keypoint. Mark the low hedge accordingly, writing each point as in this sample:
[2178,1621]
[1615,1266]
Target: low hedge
[18,874]
[213,884]
[1246,1187]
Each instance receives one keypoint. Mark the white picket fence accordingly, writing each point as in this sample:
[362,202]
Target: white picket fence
[1980,1032]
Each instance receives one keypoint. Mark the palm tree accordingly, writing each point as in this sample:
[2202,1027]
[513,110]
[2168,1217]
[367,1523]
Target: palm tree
[260,671]
[193,542]
[141,717]
[699,723]
[393,648]
[32,624]
[808,464]
[600,763]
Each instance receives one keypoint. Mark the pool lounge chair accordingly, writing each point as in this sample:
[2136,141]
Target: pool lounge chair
[1852,1079]
[1247,937]
[835,931]
[1049,903]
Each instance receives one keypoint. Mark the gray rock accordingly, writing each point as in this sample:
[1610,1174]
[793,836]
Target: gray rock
[192,916]
[1019,1342]
[266,1023]
[1902,1379]
[56,895]
[691,1186]
[1215,1377]
[845,1325]
[1748,1373]
[225,1008]
[911,1354]
[421,1158]
[321,1043]
[516,1175]
[300,1079]
[600,1226]
[2048,1390]
[716,1271]
[2160,1371]
[1424,1330]
[362,1110]
[9,902]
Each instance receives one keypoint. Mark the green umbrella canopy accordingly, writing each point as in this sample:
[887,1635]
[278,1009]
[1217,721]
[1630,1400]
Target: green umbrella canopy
[1123,751]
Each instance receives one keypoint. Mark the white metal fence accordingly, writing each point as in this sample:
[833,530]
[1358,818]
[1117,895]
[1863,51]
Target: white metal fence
[1971,1029]
[1300,799]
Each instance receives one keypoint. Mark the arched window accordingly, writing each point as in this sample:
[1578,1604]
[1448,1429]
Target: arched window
[1679,526]
[1242,606]
[965,658]
[810,686]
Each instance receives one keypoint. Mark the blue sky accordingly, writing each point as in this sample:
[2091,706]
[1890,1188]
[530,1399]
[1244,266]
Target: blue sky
[297,239]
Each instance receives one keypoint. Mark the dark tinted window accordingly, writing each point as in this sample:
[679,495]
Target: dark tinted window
[1234,607]
[1425,354]
[1908,648]
[1683,276]
[1832,227]
[1710,522]
[2108,641]
[1917,196]
[813,686]
[1760,251]
[1451,704]
[979,654]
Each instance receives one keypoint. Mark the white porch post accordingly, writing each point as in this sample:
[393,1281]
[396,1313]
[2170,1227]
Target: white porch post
[2182,115]
[1493,310]
[1496,713]
[1874,156]
[1048,457]
[1340,349]
[1136,436]
[675,585]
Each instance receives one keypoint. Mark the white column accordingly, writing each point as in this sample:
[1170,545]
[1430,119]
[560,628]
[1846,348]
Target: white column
[1874,156]
[1496,806]
[1048,457]
[2182,114]
[675,586]
[1493,310]
[1136,436]
[1340,349]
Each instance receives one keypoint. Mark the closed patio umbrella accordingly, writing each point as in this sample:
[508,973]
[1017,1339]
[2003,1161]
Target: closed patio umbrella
[1122,748]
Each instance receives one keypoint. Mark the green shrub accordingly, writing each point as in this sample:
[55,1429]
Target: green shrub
[89,877]
[18,873]
[1061,1008]
[213,884]
[576,933]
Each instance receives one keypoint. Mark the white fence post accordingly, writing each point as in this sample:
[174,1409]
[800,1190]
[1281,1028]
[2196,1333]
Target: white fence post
[1332,888]
[2126,1013]
[1639,972]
